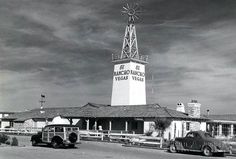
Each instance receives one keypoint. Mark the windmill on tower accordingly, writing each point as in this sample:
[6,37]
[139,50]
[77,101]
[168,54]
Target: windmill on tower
[129,66]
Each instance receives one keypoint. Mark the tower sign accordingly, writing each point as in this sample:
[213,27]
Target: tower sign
[129,86]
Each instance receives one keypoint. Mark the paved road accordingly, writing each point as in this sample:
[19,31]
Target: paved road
[90,150]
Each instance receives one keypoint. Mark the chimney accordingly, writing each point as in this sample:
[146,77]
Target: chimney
[194,109]
[180,107]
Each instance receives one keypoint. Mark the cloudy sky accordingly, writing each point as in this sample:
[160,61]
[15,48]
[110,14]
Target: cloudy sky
[63,49]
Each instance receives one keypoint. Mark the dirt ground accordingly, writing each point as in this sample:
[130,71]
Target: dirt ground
[88,150]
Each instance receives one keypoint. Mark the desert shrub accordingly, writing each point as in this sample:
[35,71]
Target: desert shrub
[3,138]
[161,124]
[14,142]
[8,142]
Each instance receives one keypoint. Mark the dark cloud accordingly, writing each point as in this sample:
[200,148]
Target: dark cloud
[63,48]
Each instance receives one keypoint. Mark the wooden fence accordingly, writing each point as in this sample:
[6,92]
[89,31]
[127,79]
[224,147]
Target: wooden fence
[23,131]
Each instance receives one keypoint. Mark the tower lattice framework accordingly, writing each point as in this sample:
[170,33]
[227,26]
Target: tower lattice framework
[130,44]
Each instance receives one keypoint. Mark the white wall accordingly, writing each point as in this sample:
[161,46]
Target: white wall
[147,126]
[29,123]
[128,89]
[40,124]
[203,126]
[176,129]
[4,124]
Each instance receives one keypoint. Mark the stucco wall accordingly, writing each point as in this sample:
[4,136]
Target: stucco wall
[4,124]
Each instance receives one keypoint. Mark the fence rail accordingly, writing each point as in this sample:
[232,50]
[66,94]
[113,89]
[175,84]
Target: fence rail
[25,130]
[126,137]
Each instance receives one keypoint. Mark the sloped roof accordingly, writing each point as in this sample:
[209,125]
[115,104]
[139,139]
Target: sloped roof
[92,110]
[226,117]
[149,110]
[36,113]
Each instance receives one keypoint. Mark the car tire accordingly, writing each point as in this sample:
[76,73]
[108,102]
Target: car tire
[34,142]
[172,148]
[73,137]
[55,144]
[207,151]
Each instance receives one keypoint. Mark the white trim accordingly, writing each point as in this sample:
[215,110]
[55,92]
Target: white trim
[221,121]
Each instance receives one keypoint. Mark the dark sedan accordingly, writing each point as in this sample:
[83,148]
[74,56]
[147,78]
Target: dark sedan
[199,141]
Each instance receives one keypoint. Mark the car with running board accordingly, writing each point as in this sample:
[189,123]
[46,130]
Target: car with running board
[57,135]
[199,141]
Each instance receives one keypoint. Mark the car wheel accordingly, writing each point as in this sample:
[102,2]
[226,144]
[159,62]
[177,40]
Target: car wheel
[34,143]
[55,144]
[207,151]
[172,148]
[73,137]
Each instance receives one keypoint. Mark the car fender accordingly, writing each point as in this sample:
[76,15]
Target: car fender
[57,138]
[209,144]
[179,145]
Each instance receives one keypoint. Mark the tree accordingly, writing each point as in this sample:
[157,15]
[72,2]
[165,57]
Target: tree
[161,124]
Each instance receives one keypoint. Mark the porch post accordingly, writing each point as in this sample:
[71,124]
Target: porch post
[232,130]
[126,125]
[220,129]
[71,121]
[110,125]
[95,125]
[87,126]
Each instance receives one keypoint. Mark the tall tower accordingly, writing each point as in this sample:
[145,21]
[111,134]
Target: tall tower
[129,86]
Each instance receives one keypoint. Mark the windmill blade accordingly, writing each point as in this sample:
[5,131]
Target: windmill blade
[137,17]
[125,8]
[128,6]
[124,11]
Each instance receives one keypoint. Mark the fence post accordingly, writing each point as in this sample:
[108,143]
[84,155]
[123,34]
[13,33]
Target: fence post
[161,142]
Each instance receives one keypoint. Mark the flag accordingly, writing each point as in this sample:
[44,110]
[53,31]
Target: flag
[43,96]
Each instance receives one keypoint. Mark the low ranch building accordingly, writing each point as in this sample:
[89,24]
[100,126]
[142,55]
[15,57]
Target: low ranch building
[222,125]
[137,119]
[4,124]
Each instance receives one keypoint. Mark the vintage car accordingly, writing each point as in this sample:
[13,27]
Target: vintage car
[199,141]
[57,136]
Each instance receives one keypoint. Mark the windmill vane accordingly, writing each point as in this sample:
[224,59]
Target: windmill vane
[132,12]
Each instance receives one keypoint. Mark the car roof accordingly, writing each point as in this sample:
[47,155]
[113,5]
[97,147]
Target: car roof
[62,125]
[200,132]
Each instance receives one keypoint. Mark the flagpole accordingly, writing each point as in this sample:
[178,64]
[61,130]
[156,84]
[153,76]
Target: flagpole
[42,101]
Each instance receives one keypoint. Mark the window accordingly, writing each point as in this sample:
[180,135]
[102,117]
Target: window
[58,129]
[190,135]
[215,128]
[68,129]
[51,129]
[234,129]
[45,129]
[225,129]
[75,129]
[188,126]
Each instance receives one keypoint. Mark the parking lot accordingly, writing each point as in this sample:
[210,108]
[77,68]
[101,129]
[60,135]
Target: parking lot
[89,150]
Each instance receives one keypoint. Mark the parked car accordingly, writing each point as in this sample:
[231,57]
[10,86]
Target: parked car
[199,141]
[57,135]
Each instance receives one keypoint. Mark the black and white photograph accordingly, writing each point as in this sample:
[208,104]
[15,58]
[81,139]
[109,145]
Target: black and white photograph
[126,79]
